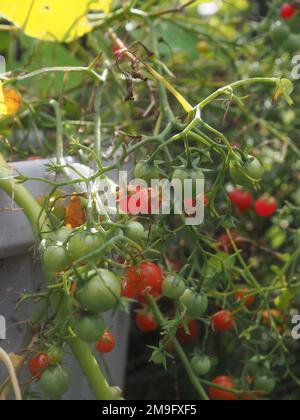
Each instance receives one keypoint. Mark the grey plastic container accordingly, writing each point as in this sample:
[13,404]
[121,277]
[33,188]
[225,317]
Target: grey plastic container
[20,273]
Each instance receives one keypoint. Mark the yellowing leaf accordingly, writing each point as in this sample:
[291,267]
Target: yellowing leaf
[52,20]
[3,109]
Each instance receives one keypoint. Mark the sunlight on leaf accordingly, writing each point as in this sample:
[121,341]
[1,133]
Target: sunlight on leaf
[52,20]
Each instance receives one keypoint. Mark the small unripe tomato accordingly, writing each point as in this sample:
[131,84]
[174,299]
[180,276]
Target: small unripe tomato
[243,175]
[173,286]
[201,365]
[196,305]
[135,231]
[56,258]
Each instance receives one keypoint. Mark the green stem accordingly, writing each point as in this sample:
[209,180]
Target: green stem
[91,370]
[181,354]
[21,196]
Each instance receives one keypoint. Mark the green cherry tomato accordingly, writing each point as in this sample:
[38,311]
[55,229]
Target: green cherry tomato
[55,355]
[55,382]
[251,170]
[100,293]
[89,328]
[265,383]
[193,174]
[292,44]
[279,32]
[196,305]
[135,231]
[146,171]
[83,244]
[60,235]
[201,365]
[56,258]
[173,286]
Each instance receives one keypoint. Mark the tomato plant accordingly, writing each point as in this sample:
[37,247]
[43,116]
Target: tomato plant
[172,90]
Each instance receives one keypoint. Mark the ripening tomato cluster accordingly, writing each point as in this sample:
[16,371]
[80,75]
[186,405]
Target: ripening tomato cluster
[265,206]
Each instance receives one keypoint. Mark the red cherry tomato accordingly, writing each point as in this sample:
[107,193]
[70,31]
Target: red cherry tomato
[287,11]
[188,337]
[139,201]
[223,321]
[144,279]
[265,206]
[38,364]
[244,296]
[146,322]
[241,199]
[224,242]
[106,343]
[217,394]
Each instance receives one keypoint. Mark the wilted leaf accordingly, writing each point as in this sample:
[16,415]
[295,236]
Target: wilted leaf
[75,214]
